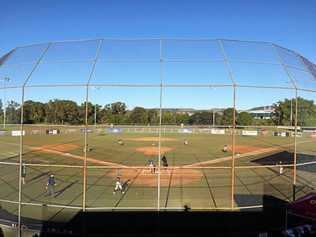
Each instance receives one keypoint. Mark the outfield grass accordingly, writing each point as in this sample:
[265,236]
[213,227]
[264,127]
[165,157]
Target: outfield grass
[208,189]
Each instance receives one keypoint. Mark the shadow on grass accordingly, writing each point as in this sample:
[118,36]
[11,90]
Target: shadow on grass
[287,158]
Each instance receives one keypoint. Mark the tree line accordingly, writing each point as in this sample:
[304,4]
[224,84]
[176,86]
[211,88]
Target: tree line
[68,112]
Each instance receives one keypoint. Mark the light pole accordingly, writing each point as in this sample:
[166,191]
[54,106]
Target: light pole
[213,118]
[5,79]
[95,115]
[291,115]
[95,109]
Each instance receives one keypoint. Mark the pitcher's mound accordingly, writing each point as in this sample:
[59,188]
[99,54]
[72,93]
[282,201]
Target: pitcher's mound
[152,150]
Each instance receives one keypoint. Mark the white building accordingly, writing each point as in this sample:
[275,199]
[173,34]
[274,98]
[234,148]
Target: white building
[263,112]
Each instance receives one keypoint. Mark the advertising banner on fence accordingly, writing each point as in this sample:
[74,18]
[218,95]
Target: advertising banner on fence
[281,134]
[249,133]
[82,130]
[35,132]
[114,130]
[217,131]
[52,131]
[305,130]
[205,130]
[298,134]
[71,130]
[185,130]
[17,133]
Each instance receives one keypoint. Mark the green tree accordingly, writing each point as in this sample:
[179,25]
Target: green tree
[201,118]
[1,111]
[138,116]
[114,113]
[153,116]
[90,112]
[118,108]
[33,112]
[63,112]
[282,112]
[285,110]
[168,117]
[245,119]
[182,118]
[306,115]
[13,113]
[227,117]
[263,122]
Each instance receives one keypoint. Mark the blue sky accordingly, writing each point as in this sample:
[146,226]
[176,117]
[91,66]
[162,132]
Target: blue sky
[290,23]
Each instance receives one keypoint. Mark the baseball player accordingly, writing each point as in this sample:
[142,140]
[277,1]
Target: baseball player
[186,142]
[152,167]
[87,148]
[23,172]
[164,161]
[125,185]
[118,186]
[281,170]
[50,186]
[225,148]
[120,142]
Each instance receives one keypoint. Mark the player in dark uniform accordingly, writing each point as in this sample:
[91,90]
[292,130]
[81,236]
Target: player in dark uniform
[23,172]
[125,186]
[164,161]
[50,186]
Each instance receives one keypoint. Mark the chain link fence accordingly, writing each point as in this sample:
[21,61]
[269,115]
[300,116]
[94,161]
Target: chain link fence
[235,121]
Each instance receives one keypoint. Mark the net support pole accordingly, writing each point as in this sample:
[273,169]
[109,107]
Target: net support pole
[21,135]
[234,150]
[292,81]
[86,146]
[295,147]
[233,124]
[160,123]
[85,152]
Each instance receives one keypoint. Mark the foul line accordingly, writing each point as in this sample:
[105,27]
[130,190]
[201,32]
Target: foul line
[96,161]
[228,158]
[252,153]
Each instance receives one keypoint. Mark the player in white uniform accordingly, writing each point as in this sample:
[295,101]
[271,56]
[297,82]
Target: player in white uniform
[120,142]
[225,148]
[152,167]
[281,168]
[118,186]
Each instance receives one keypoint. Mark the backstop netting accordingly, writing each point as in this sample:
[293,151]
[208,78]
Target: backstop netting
[153,124]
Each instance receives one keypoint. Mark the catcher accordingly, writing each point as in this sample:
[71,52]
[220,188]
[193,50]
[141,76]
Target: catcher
[118,186]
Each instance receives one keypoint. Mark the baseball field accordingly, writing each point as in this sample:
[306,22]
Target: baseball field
[198,176]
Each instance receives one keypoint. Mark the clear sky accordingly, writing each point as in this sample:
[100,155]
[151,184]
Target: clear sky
[290,23]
